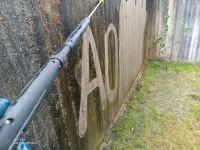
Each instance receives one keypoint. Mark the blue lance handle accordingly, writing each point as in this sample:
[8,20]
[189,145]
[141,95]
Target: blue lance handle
[4,104]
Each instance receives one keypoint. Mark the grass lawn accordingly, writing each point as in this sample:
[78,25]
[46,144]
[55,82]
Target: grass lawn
[164,111]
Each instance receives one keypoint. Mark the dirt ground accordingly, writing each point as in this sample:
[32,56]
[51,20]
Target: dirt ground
[164,111]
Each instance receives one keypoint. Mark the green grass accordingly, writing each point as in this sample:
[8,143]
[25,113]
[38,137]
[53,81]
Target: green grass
[163,112]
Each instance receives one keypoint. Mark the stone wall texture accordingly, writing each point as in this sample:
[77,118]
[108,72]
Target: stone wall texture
[183,35]
[89,91]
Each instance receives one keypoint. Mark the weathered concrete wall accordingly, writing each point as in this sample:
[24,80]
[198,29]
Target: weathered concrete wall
[183,35]
[90,89]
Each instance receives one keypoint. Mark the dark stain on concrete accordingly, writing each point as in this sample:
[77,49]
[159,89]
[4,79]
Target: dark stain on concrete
[32,30]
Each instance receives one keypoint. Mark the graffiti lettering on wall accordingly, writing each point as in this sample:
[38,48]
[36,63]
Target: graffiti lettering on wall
[87,86]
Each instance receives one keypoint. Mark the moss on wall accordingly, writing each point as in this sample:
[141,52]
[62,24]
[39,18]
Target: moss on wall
[30,31]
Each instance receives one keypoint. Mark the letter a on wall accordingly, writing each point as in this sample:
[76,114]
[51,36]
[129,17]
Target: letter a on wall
[86,86]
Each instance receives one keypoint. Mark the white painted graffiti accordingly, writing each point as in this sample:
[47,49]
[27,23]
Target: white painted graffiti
[87,86]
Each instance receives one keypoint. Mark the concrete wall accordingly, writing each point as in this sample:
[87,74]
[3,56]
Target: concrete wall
[90,89]
[183,36]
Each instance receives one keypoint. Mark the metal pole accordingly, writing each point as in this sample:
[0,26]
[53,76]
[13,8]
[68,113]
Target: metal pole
[21,111]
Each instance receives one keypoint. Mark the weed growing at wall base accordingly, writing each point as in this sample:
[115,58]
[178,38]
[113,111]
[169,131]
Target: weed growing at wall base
[160,41]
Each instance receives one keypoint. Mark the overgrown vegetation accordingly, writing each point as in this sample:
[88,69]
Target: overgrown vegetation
[164,111]
[160,41]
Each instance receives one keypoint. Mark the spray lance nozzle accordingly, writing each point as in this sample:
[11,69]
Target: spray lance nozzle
[101,1]
[98,4]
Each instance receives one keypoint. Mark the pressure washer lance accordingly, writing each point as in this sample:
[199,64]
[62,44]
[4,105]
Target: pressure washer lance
[21,111]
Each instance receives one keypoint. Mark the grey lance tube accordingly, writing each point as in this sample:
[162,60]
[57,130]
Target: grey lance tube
[20,113]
